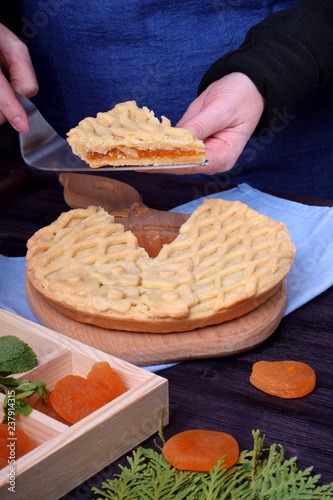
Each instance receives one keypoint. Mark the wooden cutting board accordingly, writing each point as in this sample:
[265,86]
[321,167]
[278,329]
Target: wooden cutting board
[144,349]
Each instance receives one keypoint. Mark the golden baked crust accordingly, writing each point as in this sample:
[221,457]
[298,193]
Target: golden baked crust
[226,260]
[128,135]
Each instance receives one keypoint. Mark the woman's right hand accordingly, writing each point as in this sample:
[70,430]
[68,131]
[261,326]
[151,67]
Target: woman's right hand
[224,116]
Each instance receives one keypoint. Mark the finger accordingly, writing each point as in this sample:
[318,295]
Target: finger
[221,155]
[193,109]
[22,75]
[206,123]
[10,108]
[174,171]
[3,119]
[15,58]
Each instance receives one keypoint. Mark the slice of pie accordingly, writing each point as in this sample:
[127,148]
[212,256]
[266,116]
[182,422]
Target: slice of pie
[129,135]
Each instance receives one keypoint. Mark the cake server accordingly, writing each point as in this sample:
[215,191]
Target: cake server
[42,148]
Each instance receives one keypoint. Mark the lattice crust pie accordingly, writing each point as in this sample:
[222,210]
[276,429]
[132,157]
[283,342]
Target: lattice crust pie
[128,135]
[226,260]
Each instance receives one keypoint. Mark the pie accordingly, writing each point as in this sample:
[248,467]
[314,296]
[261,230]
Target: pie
[129,135]
[226,261]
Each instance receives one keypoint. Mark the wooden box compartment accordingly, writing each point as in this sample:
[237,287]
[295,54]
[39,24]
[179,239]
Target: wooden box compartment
[67,455]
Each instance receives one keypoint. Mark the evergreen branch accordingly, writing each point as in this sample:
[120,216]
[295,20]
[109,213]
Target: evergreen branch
[254,477]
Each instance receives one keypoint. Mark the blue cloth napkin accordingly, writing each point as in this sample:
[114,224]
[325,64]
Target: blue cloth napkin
[311,230]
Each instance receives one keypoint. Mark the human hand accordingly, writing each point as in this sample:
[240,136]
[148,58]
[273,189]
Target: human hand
[16,63]
[224,116]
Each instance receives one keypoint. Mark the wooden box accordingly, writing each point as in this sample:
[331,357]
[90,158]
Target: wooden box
[66,456]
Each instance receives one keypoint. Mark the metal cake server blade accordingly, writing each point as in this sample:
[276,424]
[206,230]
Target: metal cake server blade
[42,148]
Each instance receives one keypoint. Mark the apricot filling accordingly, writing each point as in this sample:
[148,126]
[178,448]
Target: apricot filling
[118,153]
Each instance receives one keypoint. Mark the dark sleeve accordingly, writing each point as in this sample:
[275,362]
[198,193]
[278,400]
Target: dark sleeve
[288,56]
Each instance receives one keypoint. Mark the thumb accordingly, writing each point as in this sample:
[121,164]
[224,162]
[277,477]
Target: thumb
[204,124]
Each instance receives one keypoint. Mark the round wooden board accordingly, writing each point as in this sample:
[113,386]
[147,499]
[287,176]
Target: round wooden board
[146,349]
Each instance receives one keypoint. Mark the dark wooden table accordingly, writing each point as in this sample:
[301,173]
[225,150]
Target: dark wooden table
[210,393]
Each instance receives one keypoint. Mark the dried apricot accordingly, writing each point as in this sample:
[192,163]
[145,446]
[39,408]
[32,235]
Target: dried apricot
[21,445]
[48,408]
[103,374]
[75,397]
[285,379]
[200,450]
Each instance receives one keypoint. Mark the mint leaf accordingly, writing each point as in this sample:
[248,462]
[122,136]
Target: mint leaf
[15,356]
[23,389]
[10,348]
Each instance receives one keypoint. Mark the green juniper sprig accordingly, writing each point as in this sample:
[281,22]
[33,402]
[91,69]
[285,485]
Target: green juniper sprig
[260,474]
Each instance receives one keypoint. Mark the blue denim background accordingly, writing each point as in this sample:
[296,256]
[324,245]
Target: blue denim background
[91,54]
